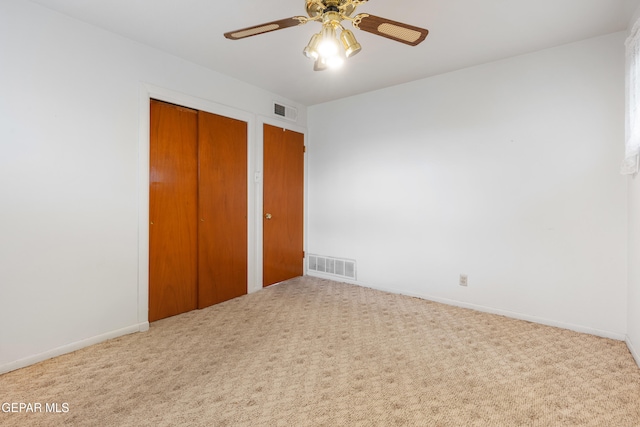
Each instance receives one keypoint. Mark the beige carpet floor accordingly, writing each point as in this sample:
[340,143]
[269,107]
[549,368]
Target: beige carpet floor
[312,352]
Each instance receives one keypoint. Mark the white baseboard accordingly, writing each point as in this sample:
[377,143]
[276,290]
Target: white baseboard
[21,363]
[484,309]
[633,351]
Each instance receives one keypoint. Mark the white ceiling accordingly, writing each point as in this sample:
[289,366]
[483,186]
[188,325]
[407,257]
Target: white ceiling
[463,33]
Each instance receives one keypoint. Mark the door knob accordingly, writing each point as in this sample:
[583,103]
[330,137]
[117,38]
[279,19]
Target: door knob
[267,216]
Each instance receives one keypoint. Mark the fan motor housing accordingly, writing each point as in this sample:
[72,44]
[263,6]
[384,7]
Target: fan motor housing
[319,7]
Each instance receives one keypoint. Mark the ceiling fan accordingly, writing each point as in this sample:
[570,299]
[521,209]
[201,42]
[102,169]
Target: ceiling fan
[324,47]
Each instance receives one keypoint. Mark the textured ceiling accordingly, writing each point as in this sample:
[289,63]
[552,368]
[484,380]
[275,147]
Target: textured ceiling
[463,33]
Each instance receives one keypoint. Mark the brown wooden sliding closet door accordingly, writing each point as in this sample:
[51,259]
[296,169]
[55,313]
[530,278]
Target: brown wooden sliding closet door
[197,210]
[173,204]
[222,236]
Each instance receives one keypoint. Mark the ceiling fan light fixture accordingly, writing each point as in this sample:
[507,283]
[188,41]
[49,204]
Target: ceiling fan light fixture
[319,65]
[311,51]
[350,44]
[328,45]
[328,49]
[334,61]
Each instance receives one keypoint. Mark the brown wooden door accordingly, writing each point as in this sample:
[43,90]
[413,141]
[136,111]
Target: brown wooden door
[222,236]
[172,210]
[283,198]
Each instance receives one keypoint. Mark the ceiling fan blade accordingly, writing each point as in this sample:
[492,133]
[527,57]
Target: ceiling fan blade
[393,30]
[265,28]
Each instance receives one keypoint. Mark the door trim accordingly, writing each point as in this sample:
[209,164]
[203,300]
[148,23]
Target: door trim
[146,93]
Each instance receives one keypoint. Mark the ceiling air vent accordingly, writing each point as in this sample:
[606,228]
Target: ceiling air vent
[285,111]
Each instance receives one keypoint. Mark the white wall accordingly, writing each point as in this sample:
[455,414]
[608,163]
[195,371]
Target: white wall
[633,332]
[72,135]
[507,172]
[633,298]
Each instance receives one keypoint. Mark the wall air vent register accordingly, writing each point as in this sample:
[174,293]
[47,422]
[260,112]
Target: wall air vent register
[285,111]
[345,268]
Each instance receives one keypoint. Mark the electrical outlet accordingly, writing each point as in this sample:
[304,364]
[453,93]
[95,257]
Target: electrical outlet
[463,280]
